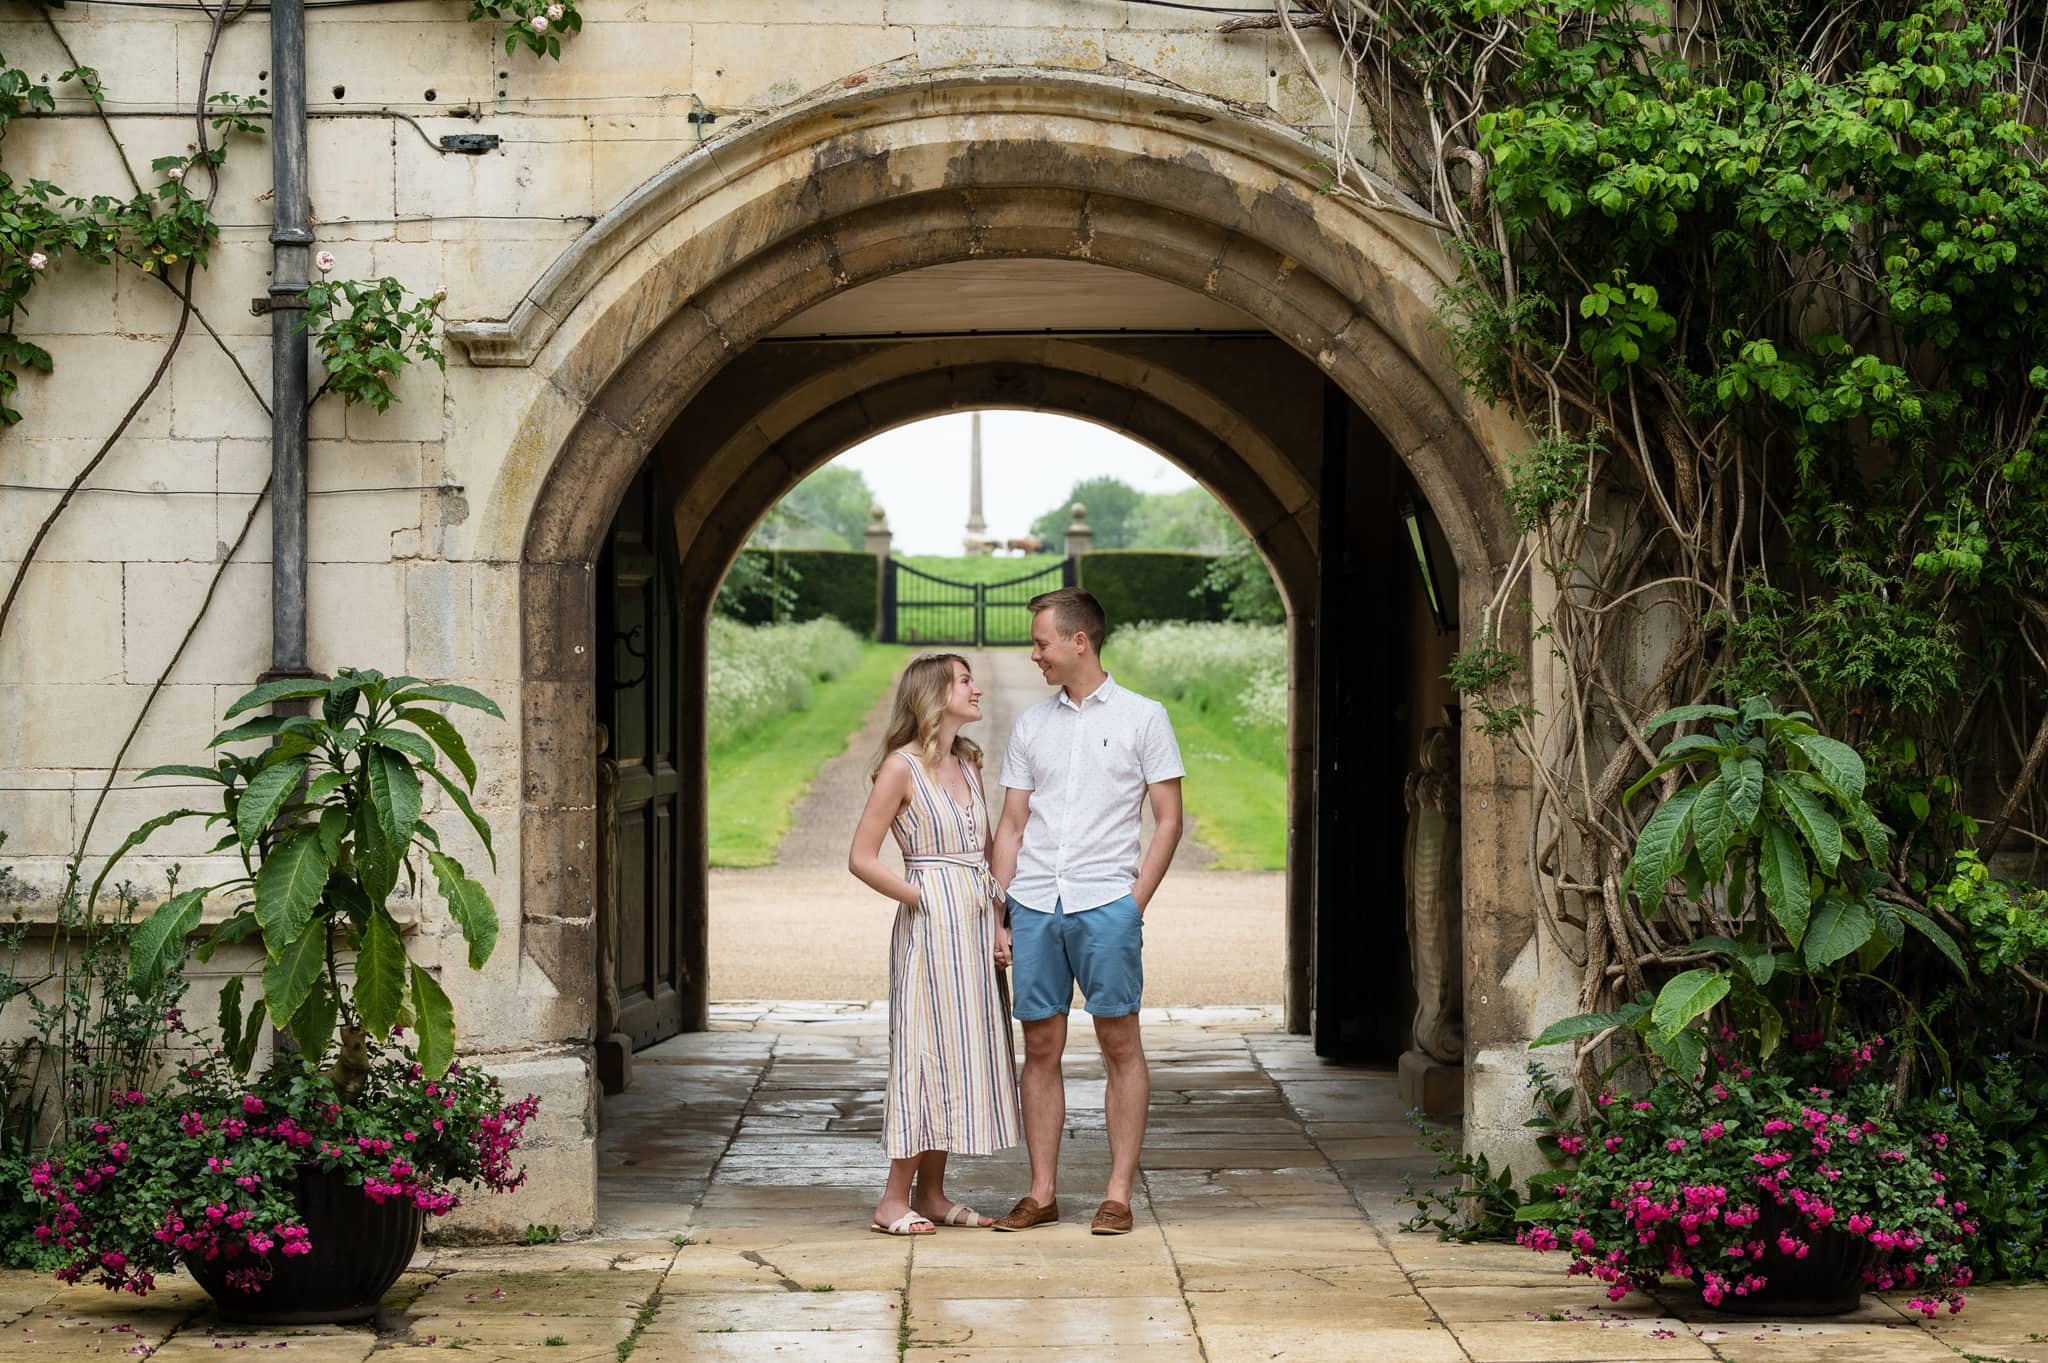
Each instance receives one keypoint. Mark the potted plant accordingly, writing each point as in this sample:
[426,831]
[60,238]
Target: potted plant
[1766,1159]
[341,1145]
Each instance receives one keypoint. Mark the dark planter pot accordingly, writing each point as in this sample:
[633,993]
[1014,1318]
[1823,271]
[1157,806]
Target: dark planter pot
[1829,1281]
[359,1248]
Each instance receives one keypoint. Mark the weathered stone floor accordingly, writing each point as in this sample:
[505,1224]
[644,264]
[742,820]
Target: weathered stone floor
[1266,1232]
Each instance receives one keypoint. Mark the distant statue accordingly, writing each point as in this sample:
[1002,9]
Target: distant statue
[1430,864]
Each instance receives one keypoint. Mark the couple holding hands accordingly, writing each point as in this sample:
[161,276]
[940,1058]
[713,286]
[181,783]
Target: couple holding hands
[1058,893]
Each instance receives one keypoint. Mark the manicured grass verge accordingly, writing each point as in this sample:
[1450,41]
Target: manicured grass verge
[1236,787]
[757,779]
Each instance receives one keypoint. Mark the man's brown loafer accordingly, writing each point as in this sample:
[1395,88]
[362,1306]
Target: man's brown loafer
[1112,1218]
[1028,1213]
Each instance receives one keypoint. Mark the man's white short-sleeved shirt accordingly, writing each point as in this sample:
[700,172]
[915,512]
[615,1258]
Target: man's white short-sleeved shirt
[1086,767]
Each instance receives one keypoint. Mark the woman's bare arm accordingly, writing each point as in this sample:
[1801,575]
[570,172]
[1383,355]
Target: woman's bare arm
[885,802]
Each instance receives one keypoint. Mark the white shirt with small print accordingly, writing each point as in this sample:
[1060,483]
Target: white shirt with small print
[1086,767]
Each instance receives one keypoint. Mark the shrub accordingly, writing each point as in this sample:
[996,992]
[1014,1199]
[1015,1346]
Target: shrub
[755,672]
[1232,670]
[782,586]
[1139,585]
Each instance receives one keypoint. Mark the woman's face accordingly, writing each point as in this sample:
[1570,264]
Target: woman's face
[963,698]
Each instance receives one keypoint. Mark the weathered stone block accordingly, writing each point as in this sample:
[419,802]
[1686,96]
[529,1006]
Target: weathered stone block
[66,726]
[546,174]
[355,616]
[755,65]
[101,375]
[229,643]
[66,625]
[1068,48]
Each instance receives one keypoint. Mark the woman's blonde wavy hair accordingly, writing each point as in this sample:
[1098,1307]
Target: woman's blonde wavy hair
[920,707]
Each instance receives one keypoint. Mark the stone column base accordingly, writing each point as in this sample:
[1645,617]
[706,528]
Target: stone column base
[1427,1083]
[615,1062]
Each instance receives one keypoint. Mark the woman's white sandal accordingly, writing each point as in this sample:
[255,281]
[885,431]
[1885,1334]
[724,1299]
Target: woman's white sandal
[902,1225]
[964,1215]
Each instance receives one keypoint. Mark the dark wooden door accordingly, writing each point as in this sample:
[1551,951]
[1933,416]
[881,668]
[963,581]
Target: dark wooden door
[639,698]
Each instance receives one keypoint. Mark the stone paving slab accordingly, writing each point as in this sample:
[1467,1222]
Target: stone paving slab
[736,1231]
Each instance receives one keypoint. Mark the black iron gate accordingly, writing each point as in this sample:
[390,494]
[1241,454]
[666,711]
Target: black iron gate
[923,608]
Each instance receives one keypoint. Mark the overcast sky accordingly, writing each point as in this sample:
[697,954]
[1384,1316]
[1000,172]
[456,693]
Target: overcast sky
[1028,462]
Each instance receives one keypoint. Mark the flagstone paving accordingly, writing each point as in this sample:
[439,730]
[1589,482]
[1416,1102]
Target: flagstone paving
[737,1176]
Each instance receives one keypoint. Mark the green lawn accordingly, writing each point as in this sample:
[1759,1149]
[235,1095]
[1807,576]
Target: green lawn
[1007,622]
[1236,788]
[756,780]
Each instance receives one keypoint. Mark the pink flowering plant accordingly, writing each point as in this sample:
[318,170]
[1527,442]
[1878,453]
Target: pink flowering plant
[1726,1183]
[206,1167]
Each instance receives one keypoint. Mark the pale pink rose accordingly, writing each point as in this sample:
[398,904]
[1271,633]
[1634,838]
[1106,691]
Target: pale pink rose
[37,260]
[325,260]
[176,172]
[538,23]
[555,12]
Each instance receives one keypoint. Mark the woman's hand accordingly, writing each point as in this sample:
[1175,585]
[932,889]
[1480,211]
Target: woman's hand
[1002,946]
[916,900]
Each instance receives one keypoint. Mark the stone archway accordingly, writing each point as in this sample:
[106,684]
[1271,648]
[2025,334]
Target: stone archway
[892,175]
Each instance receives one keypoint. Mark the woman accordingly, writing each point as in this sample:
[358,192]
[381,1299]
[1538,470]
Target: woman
[952,1072]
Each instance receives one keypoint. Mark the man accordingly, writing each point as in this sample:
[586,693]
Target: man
[1078,770]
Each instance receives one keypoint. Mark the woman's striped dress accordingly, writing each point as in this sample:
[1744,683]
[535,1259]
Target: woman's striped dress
[952,1070]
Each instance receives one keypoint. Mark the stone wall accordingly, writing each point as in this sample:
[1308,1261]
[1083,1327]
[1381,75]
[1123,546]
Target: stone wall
[418,515]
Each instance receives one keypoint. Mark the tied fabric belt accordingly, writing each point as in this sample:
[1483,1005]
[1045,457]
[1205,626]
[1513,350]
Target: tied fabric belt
[972,861]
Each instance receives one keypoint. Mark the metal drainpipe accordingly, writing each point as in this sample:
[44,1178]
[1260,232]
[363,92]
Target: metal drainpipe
[291,239]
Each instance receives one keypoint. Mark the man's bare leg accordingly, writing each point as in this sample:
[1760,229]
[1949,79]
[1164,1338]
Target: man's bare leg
[1129,1093]
[1044,1091]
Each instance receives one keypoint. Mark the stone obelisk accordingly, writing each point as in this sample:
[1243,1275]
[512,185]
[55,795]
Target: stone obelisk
[977,541]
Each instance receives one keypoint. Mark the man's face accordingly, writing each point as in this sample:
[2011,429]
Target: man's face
[1058,655]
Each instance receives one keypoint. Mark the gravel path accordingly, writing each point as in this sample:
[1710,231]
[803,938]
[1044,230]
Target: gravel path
[1214,936]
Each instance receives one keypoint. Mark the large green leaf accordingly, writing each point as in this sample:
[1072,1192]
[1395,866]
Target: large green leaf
[469,906]
[292,972]
[1876,837]
[134,840]
[227,933]
[1823,833]
[399,740]
[1934,933]
[264,726]
[1713,827]
[1745,778]
[380,974]
[1684,997]
[1691,748]
[476,820]
[270,692]
[1839,927]
[231,1014]
[434,1017]
[333,825]
[1660,847]
[1781,870]
[1686,714]
[1770,1030]
[1681,1052]
[394,794]
[267,793]
[376,862]
[313,1024]
[1837,764]
[345,894]
[212,774]
[159,942]
[287,887]
[435,725]
[325,785]
[454,695]
[1578,1025]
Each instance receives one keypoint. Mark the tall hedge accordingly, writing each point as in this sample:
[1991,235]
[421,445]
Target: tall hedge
[841,583]
[1150,584]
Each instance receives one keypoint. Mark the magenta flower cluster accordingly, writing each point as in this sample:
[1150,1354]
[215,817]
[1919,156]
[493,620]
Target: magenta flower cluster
[207,1169]
[1723,1184]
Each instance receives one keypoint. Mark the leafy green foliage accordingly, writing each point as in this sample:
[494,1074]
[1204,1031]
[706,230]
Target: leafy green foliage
[366,331]
[2006,921]
[327,821]
[536,25]
[1112,504]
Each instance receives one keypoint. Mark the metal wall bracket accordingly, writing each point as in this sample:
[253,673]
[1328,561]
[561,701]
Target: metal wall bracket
[291,302]
[469,144]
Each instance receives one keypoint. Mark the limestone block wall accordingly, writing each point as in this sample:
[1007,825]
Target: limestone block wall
[403,575]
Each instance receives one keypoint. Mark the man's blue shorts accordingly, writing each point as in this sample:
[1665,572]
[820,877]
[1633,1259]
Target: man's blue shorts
[1102,949]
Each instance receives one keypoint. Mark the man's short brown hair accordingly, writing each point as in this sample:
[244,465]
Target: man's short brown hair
[1074,611]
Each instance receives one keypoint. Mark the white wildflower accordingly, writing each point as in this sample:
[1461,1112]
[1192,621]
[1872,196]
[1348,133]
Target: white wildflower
[538,23]
[555,13]
[37,260]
